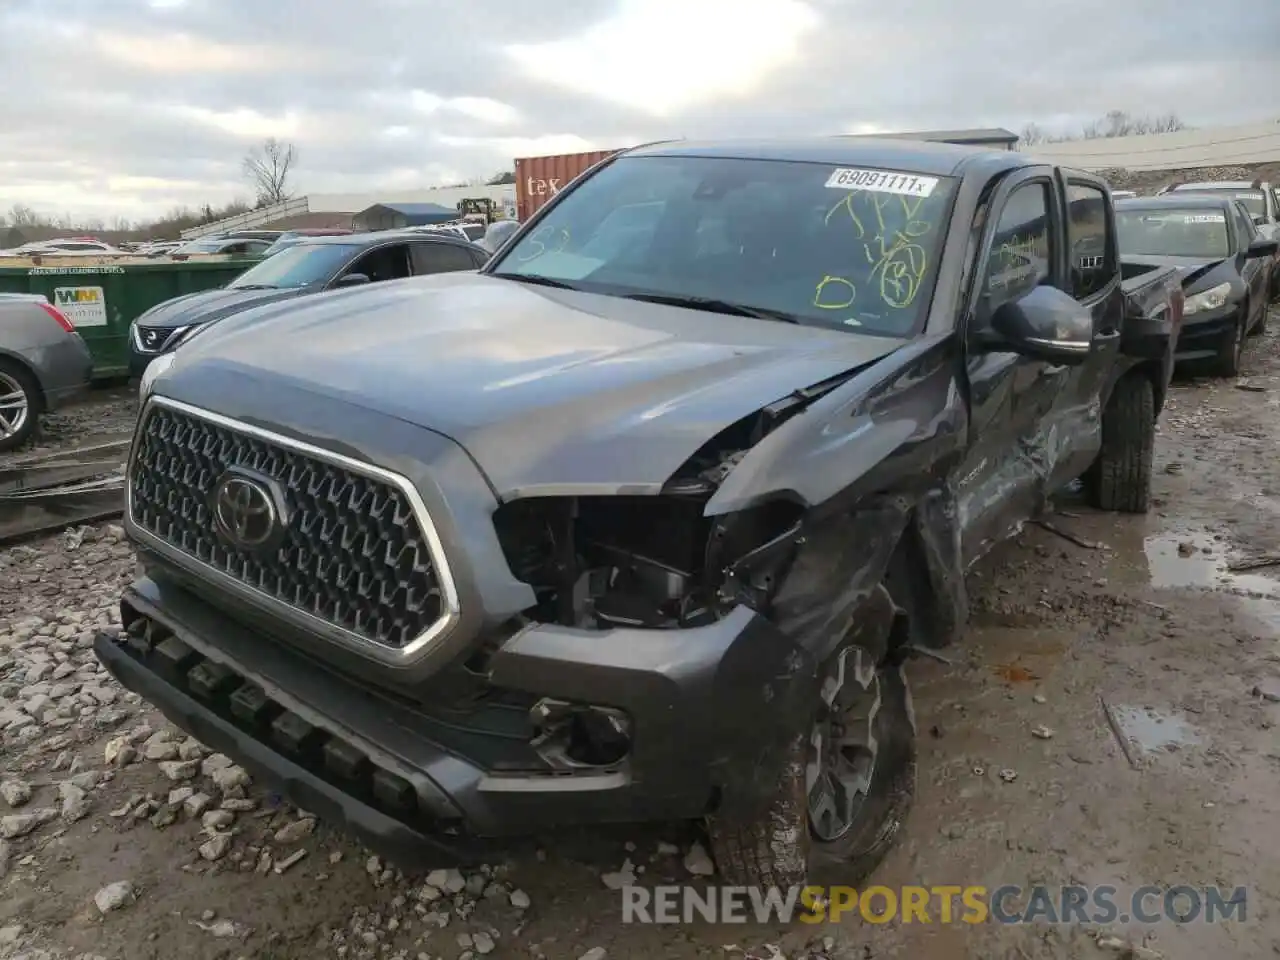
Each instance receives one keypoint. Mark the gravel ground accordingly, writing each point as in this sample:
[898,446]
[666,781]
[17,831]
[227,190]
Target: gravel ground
[121,838]
[105,414]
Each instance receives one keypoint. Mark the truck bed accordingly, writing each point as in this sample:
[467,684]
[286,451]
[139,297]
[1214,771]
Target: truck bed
[1153,316]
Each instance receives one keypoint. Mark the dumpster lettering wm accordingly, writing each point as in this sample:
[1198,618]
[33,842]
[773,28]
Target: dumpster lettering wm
[83,306]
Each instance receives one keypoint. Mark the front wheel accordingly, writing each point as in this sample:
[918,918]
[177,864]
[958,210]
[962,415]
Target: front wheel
[845,790]
[1231,350]
[1120,479]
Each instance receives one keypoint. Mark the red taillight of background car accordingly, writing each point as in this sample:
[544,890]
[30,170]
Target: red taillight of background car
[58,315]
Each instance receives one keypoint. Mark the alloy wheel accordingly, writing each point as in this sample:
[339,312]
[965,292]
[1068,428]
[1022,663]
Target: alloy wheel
[842,746]
[14,406]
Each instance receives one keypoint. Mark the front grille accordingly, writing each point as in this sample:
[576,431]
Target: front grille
[353,552]
[153,339]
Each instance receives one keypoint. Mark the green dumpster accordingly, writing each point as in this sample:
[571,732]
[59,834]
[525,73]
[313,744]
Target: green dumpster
[103,299]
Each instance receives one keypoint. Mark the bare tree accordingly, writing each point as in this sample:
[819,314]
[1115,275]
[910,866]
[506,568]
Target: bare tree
[1117,123]
[1032,135]
[268,167]
[20,215]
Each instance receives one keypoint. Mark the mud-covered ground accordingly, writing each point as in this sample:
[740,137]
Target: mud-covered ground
[1022,779]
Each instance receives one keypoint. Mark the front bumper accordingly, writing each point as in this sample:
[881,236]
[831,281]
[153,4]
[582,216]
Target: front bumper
[711,712]
[1203,334]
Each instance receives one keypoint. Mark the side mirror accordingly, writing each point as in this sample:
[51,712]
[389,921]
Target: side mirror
[1046,324]
[1262,248]
[1260,219]
[351,280]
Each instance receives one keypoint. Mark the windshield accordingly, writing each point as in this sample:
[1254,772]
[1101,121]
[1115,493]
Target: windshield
[202,246]
[823,245]
[283,242]
[302,265]
[1174,233]
[1254,201]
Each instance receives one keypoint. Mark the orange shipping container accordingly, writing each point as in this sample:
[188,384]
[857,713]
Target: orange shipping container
[538,179]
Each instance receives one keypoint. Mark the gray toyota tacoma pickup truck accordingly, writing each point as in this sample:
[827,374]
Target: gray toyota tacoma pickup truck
[641,521]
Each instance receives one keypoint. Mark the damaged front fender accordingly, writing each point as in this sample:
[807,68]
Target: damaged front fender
[899,424]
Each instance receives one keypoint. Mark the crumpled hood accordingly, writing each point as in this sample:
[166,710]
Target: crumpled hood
[206,305]
[1196,273]
[550,391]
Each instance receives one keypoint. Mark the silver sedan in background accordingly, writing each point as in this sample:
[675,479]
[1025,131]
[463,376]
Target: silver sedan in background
[43,364]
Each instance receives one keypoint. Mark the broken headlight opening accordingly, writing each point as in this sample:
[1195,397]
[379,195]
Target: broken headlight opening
[645,562]
[656,562]
[575,735]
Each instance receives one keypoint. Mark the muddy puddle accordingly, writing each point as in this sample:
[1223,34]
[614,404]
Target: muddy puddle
[1155,731]
[1200,560]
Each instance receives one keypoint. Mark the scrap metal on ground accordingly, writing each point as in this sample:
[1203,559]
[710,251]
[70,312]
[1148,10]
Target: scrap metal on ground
[49,493]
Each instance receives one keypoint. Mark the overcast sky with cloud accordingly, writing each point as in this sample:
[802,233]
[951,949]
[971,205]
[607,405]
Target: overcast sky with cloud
[133,106]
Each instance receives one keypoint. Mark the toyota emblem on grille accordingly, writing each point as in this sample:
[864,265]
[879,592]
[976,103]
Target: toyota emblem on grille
[247,511]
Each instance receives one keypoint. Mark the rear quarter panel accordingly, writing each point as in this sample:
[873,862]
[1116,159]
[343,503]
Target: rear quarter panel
[24,327]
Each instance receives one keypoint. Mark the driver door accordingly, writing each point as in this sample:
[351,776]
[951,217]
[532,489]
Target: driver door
[1000,481]
[1253,271]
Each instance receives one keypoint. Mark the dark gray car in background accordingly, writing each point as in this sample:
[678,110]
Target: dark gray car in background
[43,364]
[309,266]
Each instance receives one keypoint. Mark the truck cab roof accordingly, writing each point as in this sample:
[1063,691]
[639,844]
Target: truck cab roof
[927,157]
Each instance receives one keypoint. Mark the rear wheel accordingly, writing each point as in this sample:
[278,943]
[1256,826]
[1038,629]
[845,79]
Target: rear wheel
[19,405]
[1120,479]
[845,790]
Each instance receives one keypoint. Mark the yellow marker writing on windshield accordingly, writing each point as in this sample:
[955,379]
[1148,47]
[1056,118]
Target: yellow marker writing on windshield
[539,241]
[843,288]
[901,272]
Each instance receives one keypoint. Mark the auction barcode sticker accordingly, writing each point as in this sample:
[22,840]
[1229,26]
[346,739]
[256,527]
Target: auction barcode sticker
[881,181]
[1205,218]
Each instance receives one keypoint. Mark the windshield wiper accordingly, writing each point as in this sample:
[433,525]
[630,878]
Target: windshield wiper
[536,279]
[256,286]
[713,305]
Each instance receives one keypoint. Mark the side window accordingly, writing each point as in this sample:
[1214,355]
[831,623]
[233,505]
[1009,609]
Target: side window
[479,256]
[1092,245]
[436,257]
[384,263]
[1021,255]
[1245,229]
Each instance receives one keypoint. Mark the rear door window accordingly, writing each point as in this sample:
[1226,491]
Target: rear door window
[437,257]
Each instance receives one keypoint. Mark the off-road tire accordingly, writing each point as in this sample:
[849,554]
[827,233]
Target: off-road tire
[21,376]
[1120,479]
[1231,351]
[777,849]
